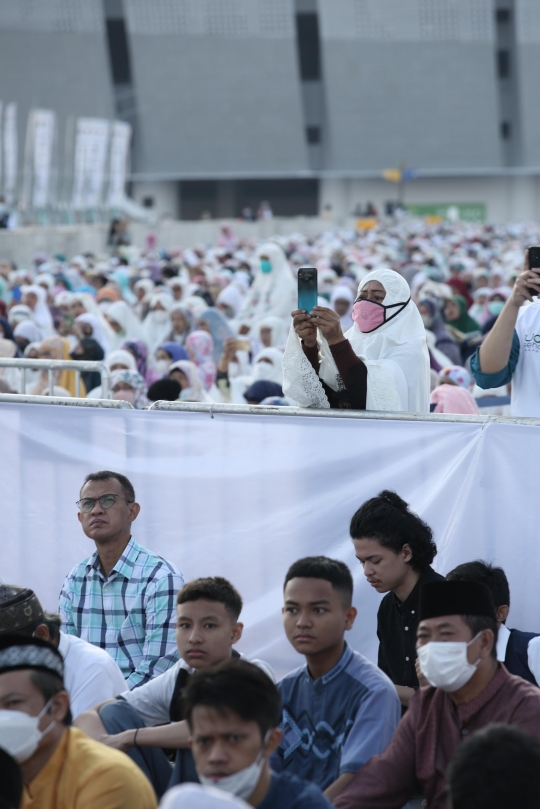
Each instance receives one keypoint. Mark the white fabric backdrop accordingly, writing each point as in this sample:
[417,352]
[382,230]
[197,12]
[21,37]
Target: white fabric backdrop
[245,496]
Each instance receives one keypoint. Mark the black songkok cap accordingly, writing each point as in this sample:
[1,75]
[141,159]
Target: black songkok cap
[166,390]
[455,598]
[21,652]
[19,608]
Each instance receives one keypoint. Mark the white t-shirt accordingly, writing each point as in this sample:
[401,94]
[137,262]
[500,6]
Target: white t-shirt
[91,675]
[526,378]
[153,699]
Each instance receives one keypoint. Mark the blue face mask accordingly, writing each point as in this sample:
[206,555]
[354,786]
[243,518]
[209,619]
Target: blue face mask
[495,307]
[266,266]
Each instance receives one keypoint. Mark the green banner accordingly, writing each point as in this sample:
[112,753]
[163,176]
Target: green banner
[453,211]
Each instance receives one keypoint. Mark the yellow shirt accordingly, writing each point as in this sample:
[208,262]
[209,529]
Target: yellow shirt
[84,774]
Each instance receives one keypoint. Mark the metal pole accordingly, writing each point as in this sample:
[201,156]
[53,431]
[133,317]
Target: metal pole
[23,380]
[78,384]
[51,383]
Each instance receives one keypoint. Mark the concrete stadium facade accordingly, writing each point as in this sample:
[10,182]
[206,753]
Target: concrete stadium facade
[301,102]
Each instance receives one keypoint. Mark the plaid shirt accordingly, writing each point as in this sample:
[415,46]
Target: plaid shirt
[131,614]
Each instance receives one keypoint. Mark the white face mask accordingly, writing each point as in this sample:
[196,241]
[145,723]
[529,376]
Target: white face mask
[160,315]
[263,370]
[125,396]
[243,783]
[445,664]
[427,321]
[162,366]
[20,733]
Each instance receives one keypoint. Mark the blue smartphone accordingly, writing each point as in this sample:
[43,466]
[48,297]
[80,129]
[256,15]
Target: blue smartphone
[307,288]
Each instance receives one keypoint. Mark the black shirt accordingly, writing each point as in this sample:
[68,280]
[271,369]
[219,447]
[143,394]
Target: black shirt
[397,623]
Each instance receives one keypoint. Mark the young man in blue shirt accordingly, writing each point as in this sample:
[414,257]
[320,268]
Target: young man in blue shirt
[339,709]
[233,714]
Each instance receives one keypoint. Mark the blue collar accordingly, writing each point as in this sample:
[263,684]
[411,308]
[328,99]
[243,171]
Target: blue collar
[342,664]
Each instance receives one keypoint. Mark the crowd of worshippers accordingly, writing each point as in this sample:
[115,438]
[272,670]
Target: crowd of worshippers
[135,693]
[410,317]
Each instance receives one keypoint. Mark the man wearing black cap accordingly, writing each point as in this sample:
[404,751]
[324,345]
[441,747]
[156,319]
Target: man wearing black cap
[61,767]
[456,644]
[90,674]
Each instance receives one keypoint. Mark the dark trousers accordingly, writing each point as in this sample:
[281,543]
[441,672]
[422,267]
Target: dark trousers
[119,716]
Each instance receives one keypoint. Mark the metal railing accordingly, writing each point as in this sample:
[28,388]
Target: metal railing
[62,365]
[378,415]
[67,401]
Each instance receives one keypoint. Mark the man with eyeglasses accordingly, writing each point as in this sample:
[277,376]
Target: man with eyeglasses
[123,597]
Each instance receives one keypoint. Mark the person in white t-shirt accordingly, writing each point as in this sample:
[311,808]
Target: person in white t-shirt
[147,719]
[511,350]
[90,674]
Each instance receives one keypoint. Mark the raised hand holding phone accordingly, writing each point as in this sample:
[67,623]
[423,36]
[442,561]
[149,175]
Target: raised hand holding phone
[533,261]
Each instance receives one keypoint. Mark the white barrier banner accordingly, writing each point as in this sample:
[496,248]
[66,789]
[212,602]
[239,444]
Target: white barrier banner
[10,145]
[245,496]
[118,166]
[43,123]
[91,148]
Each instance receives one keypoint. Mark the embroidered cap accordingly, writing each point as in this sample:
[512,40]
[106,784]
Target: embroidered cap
[20,652]
[19,608]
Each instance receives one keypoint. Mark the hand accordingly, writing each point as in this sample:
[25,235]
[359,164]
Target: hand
[119,741]
[305,327]
[422,682]
[230,348]
[527,278]
[328,323]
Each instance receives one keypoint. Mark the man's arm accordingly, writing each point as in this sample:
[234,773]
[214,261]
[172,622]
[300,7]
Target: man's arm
[494,352]
[389,780]
[160,652]
[65,610]
[175,735]
[90,723]
[376,720]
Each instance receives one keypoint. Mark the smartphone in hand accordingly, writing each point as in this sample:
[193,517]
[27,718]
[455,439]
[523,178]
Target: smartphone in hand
[307,288]
[534,265]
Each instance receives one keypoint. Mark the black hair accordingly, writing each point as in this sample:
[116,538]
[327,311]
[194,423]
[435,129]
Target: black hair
[493,577]
[477,623]
[11,782]
[497,767]
[212,588]
[127,486]
[388,520]
[321,567]
[238,687]
[50,684]
[167,390]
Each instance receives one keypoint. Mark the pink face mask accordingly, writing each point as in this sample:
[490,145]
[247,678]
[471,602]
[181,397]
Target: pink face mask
[125,395]
[369,315]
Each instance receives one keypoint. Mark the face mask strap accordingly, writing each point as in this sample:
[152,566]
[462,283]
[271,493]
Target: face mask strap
[403,304]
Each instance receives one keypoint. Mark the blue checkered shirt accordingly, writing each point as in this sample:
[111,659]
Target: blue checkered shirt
[131,614]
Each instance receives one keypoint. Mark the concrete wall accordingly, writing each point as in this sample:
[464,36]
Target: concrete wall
[528,40]
[54,56]
[217,88]
[410,80]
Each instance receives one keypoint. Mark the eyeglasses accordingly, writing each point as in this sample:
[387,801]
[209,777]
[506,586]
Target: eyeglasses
[105,501]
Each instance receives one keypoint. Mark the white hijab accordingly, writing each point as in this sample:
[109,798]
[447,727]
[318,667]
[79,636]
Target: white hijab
[157,325]
[395,355]
[42,313]
[272,293]
[277,326]
[122,313]
[99,334]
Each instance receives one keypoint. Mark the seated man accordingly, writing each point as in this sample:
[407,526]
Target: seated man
[338,709]
[519,651]
[496,768]
[90,674]
[233,715]
[457,637]
[122,597]
[150,717]
[61,767]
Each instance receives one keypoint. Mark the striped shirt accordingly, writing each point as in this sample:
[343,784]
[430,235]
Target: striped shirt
[131,614]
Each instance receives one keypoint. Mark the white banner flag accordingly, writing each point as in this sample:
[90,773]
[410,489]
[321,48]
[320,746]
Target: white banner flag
[11,152]
[118,165]
[91,148]
[244,496]
[43,124]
